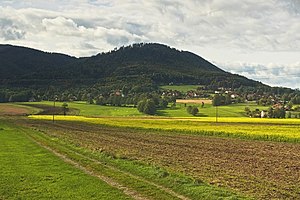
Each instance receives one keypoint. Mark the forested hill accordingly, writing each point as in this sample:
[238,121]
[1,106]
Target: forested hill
[139,63]
[25,63]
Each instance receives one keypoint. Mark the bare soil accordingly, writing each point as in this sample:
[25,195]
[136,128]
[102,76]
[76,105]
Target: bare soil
[264,170]
[12,110]
[195,101]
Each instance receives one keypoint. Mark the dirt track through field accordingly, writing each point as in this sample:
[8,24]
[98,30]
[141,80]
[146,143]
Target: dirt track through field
[133,194]
[266,170]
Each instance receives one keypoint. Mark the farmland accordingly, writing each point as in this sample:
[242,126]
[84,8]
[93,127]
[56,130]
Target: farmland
[245,128]
[84,109]
[159,157]
[243,165]
[181,88]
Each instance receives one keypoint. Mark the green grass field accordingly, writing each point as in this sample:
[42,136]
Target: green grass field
[234,110]
[181,88]
[29,171]
[94,110]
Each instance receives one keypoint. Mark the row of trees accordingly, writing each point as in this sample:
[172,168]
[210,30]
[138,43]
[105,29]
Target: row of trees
[219,100]
[278,112]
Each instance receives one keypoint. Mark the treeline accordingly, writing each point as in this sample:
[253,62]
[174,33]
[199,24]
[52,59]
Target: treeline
[225,99]
[276,111]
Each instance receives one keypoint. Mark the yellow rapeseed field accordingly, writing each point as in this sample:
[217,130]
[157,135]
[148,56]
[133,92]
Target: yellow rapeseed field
[270,129]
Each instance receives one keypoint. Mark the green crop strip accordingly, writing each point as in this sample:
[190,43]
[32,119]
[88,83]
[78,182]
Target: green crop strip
[31,172]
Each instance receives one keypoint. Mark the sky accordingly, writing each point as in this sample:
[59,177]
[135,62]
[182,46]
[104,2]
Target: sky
[259,39]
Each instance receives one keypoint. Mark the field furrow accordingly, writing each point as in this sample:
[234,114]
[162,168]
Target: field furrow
[262,169]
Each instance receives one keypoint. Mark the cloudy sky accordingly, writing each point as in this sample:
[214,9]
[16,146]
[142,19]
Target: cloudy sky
[259,39]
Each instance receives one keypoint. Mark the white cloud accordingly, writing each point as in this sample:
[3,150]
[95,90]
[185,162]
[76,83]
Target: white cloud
[272,74]
[261,31]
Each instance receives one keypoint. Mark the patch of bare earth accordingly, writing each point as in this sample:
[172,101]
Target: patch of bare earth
[12,110]
[196,101]
[265,170]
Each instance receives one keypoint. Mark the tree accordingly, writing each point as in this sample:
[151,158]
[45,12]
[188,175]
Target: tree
[193,110]
[248,111]
[147,106]
[217,100]
[279,112]
[163,103]
[141,105]
[150,108]
[101,101]
[65,108]
[270,112]
[189,109]
[227,99]
[289,115]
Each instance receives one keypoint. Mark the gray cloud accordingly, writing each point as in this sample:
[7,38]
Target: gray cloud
[292,6]
[9,31]
[272,74]
[225,31]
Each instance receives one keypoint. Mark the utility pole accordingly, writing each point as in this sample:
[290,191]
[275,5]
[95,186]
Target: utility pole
[217,114]
[55,98]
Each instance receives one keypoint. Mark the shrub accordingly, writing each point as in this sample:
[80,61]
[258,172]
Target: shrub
[193,110]
[147,106]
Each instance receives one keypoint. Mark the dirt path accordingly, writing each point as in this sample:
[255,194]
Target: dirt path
[167,190]
[133,194]
[109,181]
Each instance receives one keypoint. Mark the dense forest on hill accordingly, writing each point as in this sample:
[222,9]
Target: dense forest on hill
[139,68]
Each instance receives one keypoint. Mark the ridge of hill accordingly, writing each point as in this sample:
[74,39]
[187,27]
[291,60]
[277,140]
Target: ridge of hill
[138,63]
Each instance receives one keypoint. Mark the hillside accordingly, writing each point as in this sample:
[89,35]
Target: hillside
[139,63]
[24,63]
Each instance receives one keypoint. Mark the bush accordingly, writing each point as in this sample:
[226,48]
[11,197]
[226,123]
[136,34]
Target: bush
[189,109]
[147,106]
[150,107]
[141,105]
[193,110]
[163,103]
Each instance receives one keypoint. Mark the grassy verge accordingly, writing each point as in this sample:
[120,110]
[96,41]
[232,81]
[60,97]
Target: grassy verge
[31,172]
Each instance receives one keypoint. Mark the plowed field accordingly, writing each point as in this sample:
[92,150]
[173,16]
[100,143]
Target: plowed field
[261,169]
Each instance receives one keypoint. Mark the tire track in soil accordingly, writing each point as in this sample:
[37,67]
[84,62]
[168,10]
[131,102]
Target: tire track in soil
[258,163]
[167,190]
[131,193]
[109,181]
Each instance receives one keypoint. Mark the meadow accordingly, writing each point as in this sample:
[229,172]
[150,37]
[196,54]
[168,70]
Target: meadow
[181,88]
[84,109]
